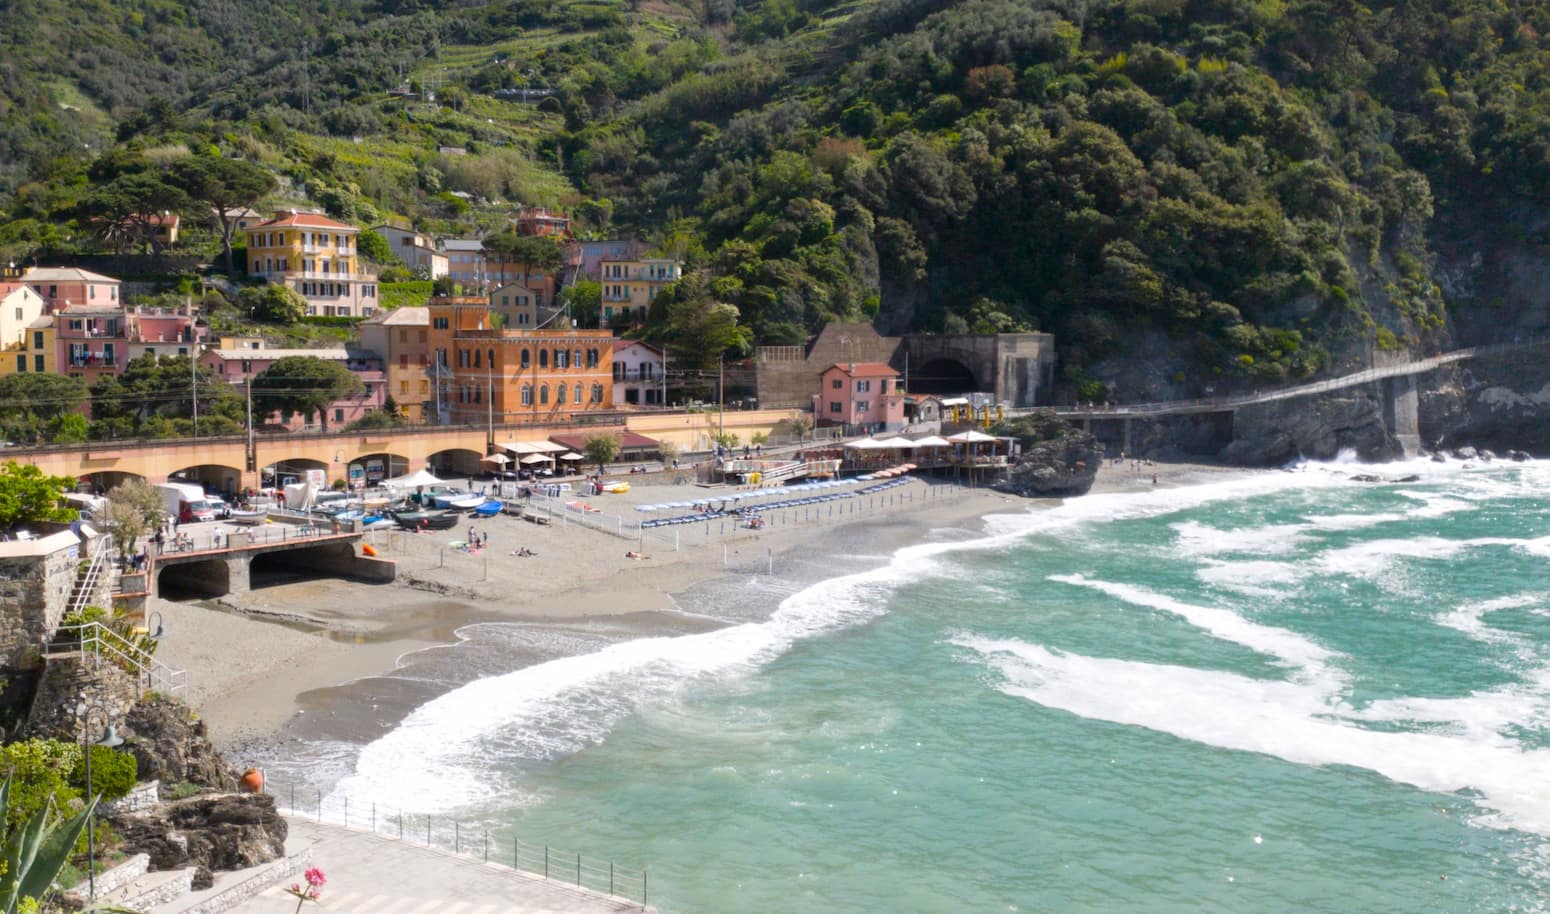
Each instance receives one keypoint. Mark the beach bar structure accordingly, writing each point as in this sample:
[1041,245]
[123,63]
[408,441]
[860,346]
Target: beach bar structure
[972,455]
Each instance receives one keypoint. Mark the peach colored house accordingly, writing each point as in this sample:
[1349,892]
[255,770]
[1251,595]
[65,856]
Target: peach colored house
[61,287]
[863,394]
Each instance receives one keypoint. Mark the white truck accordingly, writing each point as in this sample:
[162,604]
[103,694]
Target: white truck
[186,502]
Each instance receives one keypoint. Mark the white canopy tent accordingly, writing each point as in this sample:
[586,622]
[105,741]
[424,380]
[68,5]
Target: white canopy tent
[933,441]
[972,436]
[498,459]
[414,480]
[864,444]
[531,459]
[896,441]
[571,455]
[533,447]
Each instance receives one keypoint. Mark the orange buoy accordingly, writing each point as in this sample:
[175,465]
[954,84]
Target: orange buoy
[367,550]
[252,781]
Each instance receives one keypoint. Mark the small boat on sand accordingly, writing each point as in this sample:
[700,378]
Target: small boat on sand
[426,520]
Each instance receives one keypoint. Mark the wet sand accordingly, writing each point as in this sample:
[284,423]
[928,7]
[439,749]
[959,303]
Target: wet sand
[308,660]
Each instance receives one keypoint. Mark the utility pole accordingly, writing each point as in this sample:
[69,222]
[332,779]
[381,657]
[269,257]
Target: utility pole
[193,376]
[721,398]
[663,402]
[252,455]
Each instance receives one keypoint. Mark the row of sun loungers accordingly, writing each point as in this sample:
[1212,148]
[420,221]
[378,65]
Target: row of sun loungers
[753,510]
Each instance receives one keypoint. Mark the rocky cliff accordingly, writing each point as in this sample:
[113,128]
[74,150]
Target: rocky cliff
[1055,457]
[1499,402]
[1312,428]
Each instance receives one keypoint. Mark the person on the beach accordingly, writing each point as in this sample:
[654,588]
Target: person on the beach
[632,554]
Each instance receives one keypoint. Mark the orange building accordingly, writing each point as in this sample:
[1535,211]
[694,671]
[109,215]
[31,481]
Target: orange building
[483,372]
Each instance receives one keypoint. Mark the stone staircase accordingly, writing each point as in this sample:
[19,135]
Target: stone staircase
[131,885]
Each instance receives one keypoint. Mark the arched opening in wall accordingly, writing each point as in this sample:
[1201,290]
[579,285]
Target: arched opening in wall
[294,566]
[212,477]
[454,462]
[102,482]
[942,376]
[371,469]
[292,470]
[193,580]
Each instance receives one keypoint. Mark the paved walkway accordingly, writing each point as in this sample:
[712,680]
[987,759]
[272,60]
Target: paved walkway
[372,874]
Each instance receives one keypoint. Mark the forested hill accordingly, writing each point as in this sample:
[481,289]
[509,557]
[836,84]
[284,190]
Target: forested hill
[1188,192]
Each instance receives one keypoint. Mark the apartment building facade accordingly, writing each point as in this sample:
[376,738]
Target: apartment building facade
[401,338]
[630,285]
[316,256]
[485,373]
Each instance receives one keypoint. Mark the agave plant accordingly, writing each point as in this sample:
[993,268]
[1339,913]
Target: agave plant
[33,852]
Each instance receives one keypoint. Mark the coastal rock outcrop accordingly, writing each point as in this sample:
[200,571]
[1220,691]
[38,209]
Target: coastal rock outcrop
[1056,458]
[1313,428]
[171,744]
[227,831]
[1500,401]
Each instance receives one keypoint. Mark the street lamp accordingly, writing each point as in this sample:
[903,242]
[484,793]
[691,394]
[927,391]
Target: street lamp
[110,739]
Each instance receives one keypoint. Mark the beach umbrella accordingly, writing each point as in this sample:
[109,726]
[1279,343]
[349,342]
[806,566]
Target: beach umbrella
[535,458]
[971,436]
[571,455]
[863,444]
[896,442]
[933,441]
[499,459]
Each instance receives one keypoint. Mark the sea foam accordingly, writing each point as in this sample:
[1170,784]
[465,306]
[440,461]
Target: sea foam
[1286,720]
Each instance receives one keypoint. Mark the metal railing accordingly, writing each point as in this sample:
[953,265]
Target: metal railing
[102,642]
[86,580]
[1355,379]
[504,847]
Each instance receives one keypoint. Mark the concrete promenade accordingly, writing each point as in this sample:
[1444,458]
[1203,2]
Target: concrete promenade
[373,874]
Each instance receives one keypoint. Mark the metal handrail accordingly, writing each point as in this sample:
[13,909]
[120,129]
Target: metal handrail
[151,674]
[533,858]
[1357,378]
[86,582]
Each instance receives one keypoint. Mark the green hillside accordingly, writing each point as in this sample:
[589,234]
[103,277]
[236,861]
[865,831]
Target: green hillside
[1190,193]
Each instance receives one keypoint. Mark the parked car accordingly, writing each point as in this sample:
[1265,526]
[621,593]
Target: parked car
[219,506]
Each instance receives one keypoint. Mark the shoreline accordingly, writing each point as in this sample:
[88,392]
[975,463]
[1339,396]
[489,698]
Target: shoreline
[308,663]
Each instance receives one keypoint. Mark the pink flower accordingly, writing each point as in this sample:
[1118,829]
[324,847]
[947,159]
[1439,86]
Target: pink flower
[314,877]
[295,888]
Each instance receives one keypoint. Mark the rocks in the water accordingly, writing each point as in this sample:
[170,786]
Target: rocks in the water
[1366,477]
[1056,458]
[1518,456]
[1464,453]
[1413,477]
[1486,454]
[227,831]
[1439,458]
[170,744]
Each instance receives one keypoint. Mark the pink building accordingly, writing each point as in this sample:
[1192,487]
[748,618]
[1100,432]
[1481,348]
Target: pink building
[168,332]
[91,341]
[238,365]
[865,394]
[62,287]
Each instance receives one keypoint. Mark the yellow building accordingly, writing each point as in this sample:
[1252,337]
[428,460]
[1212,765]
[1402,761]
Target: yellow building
[20,306]
[316,256]
[400,337]
[630,285]
[35,350]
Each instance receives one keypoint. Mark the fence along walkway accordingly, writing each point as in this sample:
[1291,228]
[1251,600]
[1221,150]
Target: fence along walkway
[599,883]
[1355,379]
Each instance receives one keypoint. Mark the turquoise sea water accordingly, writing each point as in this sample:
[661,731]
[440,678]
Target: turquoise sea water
[1286,692]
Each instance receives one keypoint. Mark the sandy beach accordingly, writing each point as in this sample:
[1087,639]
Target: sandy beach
[307,659]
